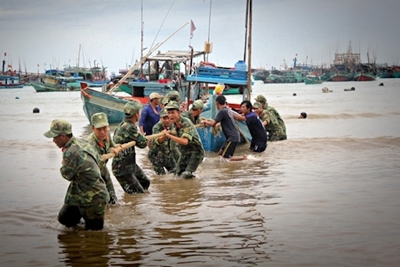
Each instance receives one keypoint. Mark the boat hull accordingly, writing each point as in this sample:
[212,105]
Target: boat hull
[95,101]
[42,87]
[341,77]
[363,77]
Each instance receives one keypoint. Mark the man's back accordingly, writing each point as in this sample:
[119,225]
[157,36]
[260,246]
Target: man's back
[228,125]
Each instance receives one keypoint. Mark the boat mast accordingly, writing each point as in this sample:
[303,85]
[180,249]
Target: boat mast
[141,38]
[209,26]
[245,33]
[249,18]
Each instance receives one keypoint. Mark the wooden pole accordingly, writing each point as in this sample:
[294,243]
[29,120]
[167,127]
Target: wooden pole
[142,60]
[250,18]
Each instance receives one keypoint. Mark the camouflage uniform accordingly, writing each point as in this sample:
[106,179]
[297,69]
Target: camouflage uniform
[192,154]
[103,147]
[130,176]
[165,154]
[198,104]
[279,134]
[87,194]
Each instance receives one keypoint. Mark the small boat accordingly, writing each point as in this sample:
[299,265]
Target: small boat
[95,101]
[10,82]
[312,79]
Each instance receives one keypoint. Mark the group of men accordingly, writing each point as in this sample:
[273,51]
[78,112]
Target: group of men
[174,147]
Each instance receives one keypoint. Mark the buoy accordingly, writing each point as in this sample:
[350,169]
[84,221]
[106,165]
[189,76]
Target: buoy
[16,97]
[219,89]
[36,110]
[381,84]
[352,88]
[294,94]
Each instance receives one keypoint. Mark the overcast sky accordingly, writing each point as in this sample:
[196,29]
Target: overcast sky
[48,32]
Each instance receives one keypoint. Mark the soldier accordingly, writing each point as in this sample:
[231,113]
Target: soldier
[194,113]
[101,140]
[124,167]
[273,111]
[163,152]
[269,121]
[87,194]
[188,140]
[174,96]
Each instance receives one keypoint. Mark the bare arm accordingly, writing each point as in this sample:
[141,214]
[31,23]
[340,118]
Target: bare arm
[208,122]
[238,117]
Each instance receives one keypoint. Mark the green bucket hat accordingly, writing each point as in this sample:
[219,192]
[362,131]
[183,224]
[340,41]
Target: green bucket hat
[198,104]
[172,105]
[163,113]
[257,105]
[99,120]
[58,127]
[174,95]
[131,108]
[261,99]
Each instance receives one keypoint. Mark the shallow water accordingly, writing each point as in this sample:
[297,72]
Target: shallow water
[327,196]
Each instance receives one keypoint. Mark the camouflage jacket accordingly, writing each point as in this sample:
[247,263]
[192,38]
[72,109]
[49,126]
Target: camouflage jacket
[185,128]
[165,147]
[125,162]
[103,147]
[80,167]
[187,114]
[273,111]
[272,122]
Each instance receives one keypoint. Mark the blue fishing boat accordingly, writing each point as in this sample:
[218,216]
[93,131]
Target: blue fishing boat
[10,82]
[212,141]
[95,101]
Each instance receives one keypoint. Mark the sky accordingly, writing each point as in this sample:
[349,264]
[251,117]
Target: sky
[48,33]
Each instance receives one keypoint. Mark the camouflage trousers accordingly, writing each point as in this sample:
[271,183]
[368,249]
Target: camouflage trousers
[276,135]
[189,161]
[93,214]
[136,182]
[162,161]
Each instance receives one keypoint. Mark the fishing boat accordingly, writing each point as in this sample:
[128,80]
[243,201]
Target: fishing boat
[95,101]
[362,76]
[240,76]
[312,79]
[10,82]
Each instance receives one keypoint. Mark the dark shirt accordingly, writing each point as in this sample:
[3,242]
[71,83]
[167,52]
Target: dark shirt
[149,118]
[228,125]
[257,130]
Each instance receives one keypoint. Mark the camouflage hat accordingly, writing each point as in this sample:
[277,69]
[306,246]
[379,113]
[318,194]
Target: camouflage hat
[172,105]
[257,105]
[163,113]
[198,104]
[174,95]
[99,120]
[58,127]
[164,100]
[261,99]
[131,108]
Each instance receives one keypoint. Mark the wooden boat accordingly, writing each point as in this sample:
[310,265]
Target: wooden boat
[362,76]
[95,101]
[238,77]
[312,79]
[10,82]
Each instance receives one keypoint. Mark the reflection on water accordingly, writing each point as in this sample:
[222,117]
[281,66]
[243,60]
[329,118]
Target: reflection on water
[327,196]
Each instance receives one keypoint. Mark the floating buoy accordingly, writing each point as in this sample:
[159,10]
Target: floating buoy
[16,97]
[381,84]
[352,88]
[36,110]
[294,94]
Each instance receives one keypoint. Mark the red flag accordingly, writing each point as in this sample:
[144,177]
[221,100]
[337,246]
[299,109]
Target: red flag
[5,54]
[192,28]
[38,65]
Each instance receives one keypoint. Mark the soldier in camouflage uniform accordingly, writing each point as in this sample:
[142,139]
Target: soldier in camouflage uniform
[194,113]
[188,140]
[124,167]
[269,121]
[163,152]
[101,140]
[282,132]
[87,194]
[174,96]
